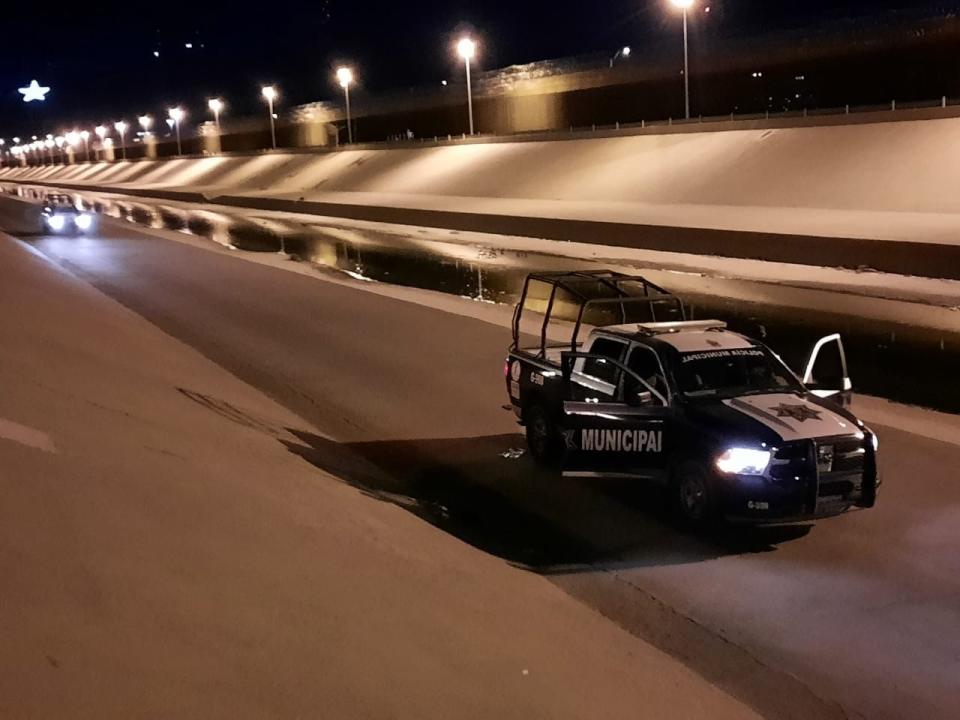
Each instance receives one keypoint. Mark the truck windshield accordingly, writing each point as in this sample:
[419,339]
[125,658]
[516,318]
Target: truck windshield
[729,373]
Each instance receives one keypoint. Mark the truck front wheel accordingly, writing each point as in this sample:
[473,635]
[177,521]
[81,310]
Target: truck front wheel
[693,495]
[543,440]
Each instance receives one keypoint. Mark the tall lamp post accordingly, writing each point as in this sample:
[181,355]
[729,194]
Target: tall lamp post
[121,128]
[467,48]
[345,77]
[146,122]
[623,52]
[176,114]
[269,92]
[215,105]
[101,132]
[685,6]
[85,136]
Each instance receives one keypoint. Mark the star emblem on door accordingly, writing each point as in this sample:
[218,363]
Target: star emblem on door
[798,412]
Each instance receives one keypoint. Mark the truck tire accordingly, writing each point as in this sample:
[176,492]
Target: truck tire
[692,495]
[543,440]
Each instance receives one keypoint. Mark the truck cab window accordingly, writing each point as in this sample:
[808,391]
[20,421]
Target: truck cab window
[643,361]
[599,370]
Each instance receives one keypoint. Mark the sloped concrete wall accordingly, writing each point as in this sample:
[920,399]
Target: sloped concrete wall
[898,166]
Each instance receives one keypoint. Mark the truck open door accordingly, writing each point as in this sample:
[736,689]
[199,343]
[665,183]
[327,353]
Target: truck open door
[826,373]
[623,433]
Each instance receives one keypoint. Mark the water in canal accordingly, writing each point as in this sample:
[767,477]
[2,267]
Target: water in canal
[908,364]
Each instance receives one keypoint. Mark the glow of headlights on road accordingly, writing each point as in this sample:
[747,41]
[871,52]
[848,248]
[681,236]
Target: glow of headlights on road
[56,222]
[743,461]
[84,222]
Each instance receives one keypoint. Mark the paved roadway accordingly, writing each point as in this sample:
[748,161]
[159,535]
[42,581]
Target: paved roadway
[863,611]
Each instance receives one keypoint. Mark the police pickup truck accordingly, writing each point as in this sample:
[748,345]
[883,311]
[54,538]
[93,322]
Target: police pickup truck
[713,415]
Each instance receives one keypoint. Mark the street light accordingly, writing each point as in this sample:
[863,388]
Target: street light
[121,128]
[270,93]
[73,139]
[685,6]
[59,140]
[345,77]
[216,105]
[467,48]
[146,122]
[101,132]
[623,52]
[176,114]
[85,136]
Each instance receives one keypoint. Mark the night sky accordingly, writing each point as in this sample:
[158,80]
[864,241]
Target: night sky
[99,58]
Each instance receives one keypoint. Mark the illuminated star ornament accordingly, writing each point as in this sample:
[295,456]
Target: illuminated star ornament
[799,413]
[34,91]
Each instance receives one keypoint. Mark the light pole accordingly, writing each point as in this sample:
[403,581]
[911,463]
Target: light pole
[685,6]
[467,48]
[215,105]
[85,136]
[73,139]
[176,114]
[623,52]
[59,141]
[270,93]
[101,132]
[121,128]
[345,77]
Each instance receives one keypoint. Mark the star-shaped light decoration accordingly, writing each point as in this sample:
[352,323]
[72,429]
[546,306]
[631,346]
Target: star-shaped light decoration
[800,413]
[34,91]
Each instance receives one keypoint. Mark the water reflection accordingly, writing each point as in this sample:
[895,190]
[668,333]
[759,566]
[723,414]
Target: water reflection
[893,360]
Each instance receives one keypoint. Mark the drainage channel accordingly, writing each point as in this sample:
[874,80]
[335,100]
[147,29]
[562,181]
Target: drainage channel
[901,362]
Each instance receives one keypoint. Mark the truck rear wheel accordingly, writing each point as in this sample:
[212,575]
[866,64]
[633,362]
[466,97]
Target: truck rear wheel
[543,440]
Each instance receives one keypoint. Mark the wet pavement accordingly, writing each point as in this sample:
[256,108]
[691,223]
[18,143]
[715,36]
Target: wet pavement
[904,363]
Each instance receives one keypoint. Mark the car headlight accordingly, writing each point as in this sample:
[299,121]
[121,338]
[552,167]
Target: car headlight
[83,221]
[56,222]
[875,440]
[743,461]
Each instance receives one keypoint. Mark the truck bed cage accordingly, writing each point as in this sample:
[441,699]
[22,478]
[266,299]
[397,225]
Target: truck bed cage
[598,288]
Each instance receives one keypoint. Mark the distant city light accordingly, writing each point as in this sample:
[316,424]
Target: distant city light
[626,51]
[188,46]
[156,53]
[34,91]
[443,82]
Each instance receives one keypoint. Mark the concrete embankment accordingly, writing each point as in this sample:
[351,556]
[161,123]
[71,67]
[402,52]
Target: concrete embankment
[877,195]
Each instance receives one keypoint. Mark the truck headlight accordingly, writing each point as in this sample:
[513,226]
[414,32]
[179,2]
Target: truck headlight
[743,461]
[56,222]
[83,221]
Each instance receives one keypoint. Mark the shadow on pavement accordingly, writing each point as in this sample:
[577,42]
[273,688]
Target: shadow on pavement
[511,508]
